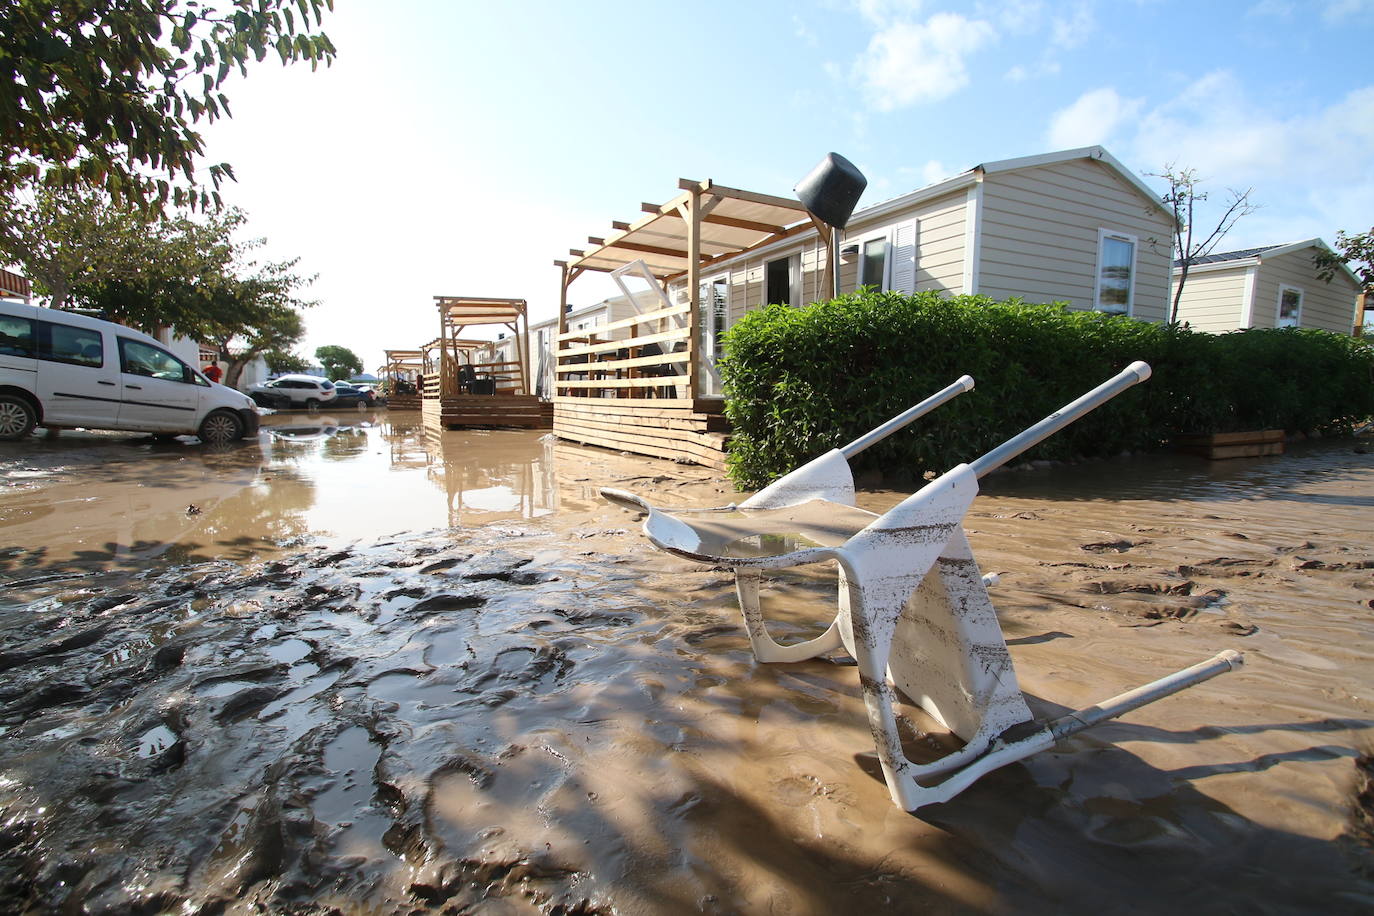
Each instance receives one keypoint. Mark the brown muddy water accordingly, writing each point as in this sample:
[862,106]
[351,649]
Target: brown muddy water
[354,667]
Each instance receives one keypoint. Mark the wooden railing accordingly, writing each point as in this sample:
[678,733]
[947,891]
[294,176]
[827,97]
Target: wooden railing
[505,375]
[652,362]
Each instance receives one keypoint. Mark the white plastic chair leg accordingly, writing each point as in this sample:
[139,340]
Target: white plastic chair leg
[747,583]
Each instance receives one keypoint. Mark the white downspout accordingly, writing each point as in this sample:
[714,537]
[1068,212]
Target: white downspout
[973,235]
[1247,296]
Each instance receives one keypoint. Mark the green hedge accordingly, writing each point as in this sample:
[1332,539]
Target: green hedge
[799,382]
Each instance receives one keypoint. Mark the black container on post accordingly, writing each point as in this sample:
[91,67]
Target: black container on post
[830,192]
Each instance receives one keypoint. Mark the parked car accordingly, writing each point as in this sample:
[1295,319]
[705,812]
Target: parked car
[288,392]
[62,370]
[350,395]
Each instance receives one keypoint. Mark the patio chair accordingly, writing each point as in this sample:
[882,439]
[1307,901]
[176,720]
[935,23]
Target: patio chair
[935,637]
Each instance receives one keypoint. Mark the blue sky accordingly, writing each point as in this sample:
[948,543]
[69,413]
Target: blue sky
[458,148]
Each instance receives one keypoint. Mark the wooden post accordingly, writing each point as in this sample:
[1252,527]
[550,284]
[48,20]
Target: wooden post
[1360,302]
[694,326]
[443,348]
[557,344]
[562,299]
[522,350]
[830,275]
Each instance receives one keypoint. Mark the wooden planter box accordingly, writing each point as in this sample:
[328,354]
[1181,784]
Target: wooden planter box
[1233,445]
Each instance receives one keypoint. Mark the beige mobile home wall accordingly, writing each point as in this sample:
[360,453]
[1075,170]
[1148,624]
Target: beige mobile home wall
[1328,306]
[940,236]
[1040,227]
[1213,300]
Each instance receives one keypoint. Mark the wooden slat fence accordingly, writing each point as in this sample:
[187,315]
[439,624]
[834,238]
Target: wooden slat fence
[651,362]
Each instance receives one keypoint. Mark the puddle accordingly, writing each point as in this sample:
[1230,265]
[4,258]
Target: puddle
[156,740]
[112,502]
[379,670]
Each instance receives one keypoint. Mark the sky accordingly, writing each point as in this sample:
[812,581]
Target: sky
[459,148]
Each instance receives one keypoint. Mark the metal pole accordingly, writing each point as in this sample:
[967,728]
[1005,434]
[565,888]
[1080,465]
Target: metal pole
[965,383]
[834,256]
[1075,722]
[1133,374]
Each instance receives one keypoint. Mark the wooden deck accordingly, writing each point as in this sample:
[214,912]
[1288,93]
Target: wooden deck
[628,387]
[676,429]
[454,411]
[403,402]
[1233,445]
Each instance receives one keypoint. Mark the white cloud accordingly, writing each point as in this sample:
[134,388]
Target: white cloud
[934,171]
[1310,170]
[1341,10]
[1072,30]
[885,12]
[1212,126]
[909,63]
[1015,16]
[1091,119]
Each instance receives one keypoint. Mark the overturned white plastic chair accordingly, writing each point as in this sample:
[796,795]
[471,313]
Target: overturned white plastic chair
[934,637]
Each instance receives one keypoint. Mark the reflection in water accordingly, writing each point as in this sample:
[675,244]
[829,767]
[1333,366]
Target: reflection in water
[103,501]
[492,476]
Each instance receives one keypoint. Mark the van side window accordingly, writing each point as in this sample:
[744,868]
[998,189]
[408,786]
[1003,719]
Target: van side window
[137,358]
[16,336]
[78,346]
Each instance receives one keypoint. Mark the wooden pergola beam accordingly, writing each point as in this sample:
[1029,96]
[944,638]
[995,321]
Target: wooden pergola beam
[735,222]
[708,262]
[754,197]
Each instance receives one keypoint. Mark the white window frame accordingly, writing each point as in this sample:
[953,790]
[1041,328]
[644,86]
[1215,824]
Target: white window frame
[710,350]
[794,272]
[885,282]
[857,243]
[1134,241]
[1278,306]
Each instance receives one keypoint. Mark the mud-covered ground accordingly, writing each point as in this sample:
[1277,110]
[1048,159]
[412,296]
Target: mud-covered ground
[222,692]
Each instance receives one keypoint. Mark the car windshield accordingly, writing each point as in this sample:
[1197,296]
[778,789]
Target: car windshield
[327,386]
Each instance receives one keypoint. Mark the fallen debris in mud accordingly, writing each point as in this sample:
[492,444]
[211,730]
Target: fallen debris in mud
[539,716]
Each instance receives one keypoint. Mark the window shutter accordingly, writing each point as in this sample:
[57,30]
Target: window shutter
[904,257]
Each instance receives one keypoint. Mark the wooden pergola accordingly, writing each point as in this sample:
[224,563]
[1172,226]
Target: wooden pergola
[680,240]
[620,387]
[461,388]
[457,313]
[399,365]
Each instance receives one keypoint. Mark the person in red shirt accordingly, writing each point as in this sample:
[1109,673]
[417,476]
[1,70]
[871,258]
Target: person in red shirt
[213,372]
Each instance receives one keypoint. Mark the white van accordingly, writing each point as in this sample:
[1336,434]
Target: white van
[62,370]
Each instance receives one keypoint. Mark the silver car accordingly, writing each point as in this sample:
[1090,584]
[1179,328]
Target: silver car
[289,392]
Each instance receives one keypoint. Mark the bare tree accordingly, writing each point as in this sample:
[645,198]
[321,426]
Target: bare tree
[1183,197]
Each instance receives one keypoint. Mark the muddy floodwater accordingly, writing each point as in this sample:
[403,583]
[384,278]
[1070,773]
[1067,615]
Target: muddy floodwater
[359,667]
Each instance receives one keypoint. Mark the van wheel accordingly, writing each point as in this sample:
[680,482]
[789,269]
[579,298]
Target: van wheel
[220,428]
[312,404]
[17,417]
